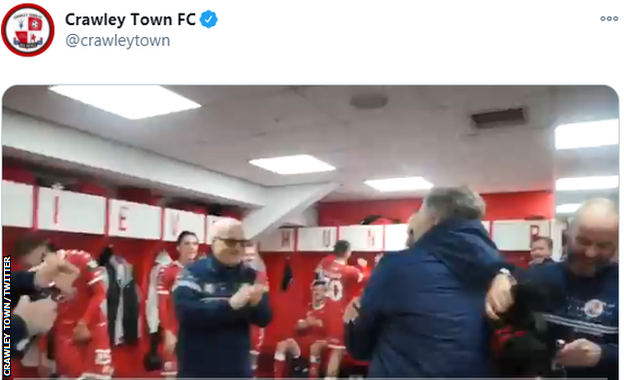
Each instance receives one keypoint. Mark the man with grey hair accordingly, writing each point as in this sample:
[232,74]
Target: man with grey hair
[587,319]
[421,314]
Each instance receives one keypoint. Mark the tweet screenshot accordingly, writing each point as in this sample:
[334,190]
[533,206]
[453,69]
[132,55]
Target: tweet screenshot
[295,189]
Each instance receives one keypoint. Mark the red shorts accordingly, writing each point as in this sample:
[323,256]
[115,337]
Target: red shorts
[257,338]
[335,332]
[91,359]
[305,343]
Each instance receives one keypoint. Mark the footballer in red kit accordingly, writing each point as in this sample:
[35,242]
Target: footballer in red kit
[309,336]
[366,272]
[343,282]
[352,364]
[81,330]
[187,246]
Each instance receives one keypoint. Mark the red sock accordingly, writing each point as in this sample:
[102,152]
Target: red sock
[315,364]
[279,366]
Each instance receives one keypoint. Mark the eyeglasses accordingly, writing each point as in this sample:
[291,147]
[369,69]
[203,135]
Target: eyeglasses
[234,242]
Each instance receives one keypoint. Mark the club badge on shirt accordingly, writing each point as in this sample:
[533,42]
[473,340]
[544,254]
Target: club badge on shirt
[594,308]
[209,288]
[92,264]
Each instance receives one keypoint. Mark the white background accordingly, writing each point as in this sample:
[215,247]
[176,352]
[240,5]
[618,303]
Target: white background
[346,42]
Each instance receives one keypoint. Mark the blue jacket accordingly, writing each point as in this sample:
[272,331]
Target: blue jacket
[590,311]
[23,284]
[213,338]
[422,312]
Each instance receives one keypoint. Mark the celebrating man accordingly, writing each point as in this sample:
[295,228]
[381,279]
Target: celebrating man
[81,330]
[216,301]
[421,314]
[588,319]
[309,337]
[187,246]
[342,282]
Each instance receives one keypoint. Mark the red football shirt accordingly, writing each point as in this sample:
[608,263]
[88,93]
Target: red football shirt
[87,303]
[314,332]
[164,287]
[342,284]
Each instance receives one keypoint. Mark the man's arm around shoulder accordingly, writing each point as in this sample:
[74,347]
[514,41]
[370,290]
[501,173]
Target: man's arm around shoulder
[19,332]
[22,284]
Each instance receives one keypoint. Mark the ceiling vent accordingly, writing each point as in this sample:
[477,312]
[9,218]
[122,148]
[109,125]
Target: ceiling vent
[499,119]
[369,101]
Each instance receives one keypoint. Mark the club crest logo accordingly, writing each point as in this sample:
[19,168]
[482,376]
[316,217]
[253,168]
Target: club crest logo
[92,264]
[27,30]
[594,308]
[209,288]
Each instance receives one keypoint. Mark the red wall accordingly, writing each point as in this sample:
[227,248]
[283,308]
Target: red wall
[499,206]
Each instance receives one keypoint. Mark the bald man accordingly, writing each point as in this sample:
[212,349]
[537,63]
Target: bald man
[217,299]
[588,319]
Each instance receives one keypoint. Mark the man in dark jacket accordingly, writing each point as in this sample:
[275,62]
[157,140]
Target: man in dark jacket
[28,318]
[421,314]
[587,321]
[216,301]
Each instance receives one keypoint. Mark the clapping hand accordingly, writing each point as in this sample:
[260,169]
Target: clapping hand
[256,293]
[362,262]
[241,297]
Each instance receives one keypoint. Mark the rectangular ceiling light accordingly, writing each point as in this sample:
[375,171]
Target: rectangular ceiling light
[587,183]
[399,184]
[287,165]
[567,208]
[130,102]
[587,135]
